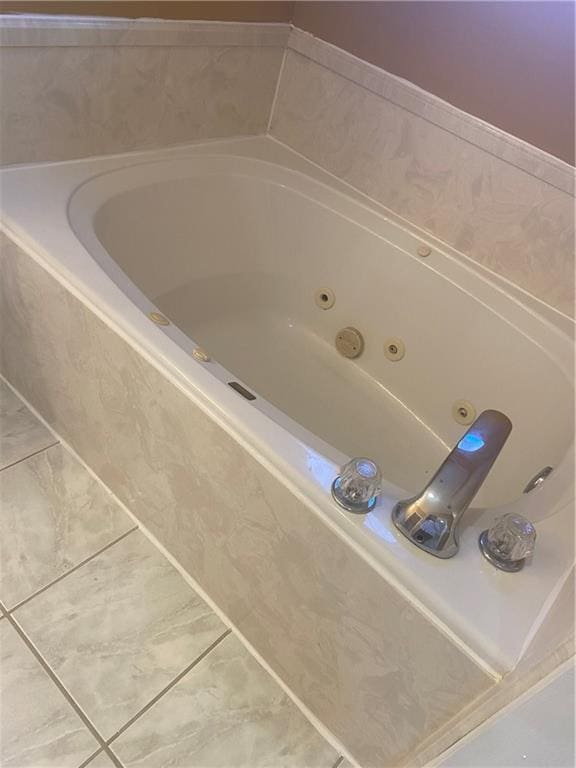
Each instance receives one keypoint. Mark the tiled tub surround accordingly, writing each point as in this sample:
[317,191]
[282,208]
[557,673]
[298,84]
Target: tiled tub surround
[380,704]
[75,88]
[112,659]
[72,89]
[369,665]
[181,196]
[505,204]
[299,590]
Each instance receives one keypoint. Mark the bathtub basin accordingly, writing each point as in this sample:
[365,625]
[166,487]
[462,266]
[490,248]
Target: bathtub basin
[232,242]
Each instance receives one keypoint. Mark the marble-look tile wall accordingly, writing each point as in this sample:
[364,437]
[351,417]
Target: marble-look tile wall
[106,86]
[368,665]
[72,91]
[505,204]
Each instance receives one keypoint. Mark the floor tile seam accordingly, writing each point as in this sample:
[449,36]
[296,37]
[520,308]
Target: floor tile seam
[57,682]
[155,699]
[70,571]
[113,759]
[29,456]
[91,757]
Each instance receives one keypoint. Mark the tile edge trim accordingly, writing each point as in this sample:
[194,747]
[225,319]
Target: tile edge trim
[408,96]
[33,31]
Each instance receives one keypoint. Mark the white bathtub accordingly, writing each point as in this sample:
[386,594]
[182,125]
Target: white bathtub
[231,241]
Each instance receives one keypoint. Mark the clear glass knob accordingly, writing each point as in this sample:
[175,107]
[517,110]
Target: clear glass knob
[508,542]
[357,486]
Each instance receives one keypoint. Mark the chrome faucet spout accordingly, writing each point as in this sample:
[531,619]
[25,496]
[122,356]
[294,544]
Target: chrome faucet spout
[431,519]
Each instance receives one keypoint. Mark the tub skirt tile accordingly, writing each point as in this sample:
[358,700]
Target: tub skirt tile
[368,665]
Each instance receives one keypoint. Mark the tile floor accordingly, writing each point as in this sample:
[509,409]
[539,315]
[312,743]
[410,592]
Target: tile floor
[108,657]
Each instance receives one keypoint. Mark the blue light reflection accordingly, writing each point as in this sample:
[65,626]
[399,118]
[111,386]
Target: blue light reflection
[323,470]
[379,527]
[471,443]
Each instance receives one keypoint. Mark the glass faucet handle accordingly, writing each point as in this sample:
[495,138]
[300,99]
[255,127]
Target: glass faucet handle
[357,486]
[508,542]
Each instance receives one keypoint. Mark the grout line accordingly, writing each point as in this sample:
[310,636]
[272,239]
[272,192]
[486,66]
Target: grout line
[112,756]
[71,570]
[34,411]
[276,90]
[91,757]
[30,455]
[36,653]
[170,685]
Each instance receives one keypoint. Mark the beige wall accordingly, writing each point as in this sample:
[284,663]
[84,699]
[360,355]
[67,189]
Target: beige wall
[509,63]
[160,9]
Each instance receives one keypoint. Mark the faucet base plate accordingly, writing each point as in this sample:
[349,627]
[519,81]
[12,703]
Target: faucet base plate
[511,566]
[431,533]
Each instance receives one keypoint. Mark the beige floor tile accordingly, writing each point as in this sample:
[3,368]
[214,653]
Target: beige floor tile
[38,727]
[20,431]
[119,629]
[54,515]
[227,711]
[101,761]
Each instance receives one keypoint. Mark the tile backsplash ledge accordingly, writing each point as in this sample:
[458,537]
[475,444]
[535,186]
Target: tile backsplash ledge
[38,31]
[75,87]
[516,222]
[414,99]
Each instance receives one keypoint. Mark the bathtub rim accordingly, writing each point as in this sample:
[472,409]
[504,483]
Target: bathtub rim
[148,341]
[89,197]
[277,151]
